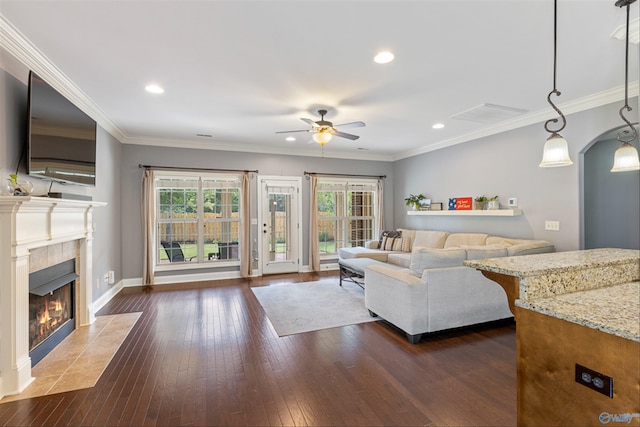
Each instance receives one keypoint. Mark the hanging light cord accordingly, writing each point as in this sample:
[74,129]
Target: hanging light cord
[626,106]
[555,91]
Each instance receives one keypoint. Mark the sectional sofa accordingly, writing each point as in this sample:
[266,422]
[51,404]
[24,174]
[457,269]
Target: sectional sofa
[416,281]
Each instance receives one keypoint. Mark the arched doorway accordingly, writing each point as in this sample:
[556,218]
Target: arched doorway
[610,201]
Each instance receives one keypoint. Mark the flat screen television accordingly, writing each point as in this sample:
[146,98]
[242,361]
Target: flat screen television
[62,138]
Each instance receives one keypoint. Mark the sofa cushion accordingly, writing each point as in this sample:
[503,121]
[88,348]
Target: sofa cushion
[485,251]
[423,258]
[405,232]
[430,239]
[456,240]
[396,244]
[360,252]
[403,260]
[531,247]
[506,241]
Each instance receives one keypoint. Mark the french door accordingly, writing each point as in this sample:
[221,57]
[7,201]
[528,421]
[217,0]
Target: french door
[279,224]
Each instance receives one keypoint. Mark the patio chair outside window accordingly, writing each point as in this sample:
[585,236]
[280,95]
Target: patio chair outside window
[174,251]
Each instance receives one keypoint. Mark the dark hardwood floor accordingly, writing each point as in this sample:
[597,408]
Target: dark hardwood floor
[206,355]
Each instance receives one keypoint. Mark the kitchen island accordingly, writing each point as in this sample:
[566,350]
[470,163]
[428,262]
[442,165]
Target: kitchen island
[578,334]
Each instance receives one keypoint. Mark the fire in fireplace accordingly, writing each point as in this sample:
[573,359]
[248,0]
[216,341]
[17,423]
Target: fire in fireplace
[49,312]
[51,308]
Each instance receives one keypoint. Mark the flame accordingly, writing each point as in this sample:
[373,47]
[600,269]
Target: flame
[45,316]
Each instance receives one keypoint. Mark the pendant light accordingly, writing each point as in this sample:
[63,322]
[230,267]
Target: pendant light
[626,156]
[556,150]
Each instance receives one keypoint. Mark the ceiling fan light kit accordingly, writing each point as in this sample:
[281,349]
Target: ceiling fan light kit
[322,136]
[323,130]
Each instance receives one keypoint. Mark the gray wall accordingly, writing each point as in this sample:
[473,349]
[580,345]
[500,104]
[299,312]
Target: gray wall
[506,165]
[266,164]
[611,200]
[13,136]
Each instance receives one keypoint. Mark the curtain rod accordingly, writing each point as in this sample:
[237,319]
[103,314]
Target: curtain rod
[195,169]
[308,174]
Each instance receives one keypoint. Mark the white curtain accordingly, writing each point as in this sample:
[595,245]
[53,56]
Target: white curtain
[314,249]
[246,263]
[379,225]
[148,227]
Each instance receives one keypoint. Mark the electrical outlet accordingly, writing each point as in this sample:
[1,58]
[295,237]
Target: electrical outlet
[594,380]
[112,277]
[552,225]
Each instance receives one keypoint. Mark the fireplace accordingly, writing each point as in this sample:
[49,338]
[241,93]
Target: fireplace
[37,233]
[51,308]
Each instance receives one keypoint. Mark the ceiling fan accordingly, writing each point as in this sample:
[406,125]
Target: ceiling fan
[324,130]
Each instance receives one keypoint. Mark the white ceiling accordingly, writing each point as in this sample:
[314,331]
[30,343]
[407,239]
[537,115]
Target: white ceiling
[242,70]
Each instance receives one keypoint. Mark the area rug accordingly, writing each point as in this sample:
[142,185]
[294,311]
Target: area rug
[79,360]
[294,308]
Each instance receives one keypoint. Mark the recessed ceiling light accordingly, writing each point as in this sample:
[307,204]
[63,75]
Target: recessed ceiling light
[153,88]
[383,57]
[290,139]
[438,126]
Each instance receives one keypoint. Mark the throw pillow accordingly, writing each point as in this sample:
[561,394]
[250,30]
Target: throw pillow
[402,244]
[388,242]
[387,233]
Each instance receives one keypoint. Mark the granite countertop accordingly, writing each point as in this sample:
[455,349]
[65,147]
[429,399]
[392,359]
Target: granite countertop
[555,262]
[613,309]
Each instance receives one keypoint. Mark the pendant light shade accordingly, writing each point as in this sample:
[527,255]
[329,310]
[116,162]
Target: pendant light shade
[322,137]
[556,149]
[626,159]
[555,152]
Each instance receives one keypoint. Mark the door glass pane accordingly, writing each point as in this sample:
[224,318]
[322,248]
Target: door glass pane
[280,218]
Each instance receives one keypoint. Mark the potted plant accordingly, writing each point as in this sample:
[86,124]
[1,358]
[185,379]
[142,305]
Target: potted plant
[479,202]
[19,189]
[414,200]
[493,203]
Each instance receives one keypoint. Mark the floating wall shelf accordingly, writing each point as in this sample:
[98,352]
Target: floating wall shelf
[495,212]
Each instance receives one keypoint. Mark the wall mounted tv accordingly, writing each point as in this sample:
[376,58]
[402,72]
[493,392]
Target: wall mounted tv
[62,138]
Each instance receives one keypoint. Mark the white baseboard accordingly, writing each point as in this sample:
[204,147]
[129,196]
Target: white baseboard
[185,278]
[105,298]
[182,278]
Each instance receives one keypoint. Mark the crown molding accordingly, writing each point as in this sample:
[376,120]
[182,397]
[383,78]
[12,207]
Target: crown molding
[288,150]
[581,104]
[15,43]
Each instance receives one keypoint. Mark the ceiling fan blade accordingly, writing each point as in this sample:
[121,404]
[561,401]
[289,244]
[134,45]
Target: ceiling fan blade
[351,125]
[346,135]
[292,131]
[309,121]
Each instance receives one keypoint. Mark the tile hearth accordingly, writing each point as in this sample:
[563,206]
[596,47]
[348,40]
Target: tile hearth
[80,359]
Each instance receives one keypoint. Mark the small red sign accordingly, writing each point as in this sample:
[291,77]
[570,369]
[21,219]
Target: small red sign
[463,203]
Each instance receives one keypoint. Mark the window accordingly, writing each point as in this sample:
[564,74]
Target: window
[345,214]
[197,218]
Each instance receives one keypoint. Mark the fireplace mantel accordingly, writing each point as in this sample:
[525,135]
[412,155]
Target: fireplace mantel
[27,223]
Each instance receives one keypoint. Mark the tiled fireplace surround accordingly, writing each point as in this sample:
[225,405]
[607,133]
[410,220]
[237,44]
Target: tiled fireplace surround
[35,233]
